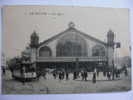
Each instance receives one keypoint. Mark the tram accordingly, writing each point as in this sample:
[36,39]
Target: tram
[24,71]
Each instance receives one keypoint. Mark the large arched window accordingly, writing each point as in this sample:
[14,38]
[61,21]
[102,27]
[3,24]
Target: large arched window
[71,45]
[98,50]
[45,52]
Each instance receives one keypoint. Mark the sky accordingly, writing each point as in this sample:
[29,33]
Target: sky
[19,22]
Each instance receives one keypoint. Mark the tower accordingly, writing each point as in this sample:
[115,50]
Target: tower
[34,41]
[110,44]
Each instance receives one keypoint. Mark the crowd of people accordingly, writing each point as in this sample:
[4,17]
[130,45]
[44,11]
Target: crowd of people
[83,75]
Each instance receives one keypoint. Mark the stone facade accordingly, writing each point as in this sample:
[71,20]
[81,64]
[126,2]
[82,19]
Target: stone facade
[72,44]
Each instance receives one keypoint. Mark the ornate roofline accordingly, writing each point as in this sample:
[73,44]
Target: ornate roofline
[63,32]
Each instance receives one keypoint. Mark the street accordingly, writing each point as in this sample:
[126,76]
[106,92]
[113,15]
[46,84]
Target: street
[56,86]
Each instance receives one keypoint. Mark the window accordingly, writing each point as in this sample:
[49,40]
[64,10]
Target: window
[45,52]
[71,45]
[98,50]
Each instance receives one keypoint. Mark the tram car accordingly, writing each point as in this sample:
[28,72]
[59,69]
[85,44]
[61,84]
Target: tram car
[24,71]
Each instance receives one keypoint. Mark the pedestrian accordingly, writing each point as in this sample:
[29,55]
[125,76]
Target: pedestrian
[38,76]
[44,75]
[60,75]
[77,75]
[119,73]
[4,71]
[94,78]
[109,75]
[67,76]
[74,75]
[54,75]
[85,76]
[116,74]
[126,73]
[82,75]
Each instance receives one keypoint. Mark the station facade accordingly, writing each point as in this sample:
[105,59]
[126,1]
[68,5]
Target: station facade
[72,50]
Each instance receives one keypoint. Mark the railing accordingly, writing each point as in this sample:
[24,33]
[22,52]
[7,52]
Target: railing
[70,59]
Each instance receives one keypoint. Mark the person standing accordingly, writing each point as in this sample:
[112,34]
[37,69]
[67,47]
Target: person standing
[85,76]
[60,76]
[94,77]
[109,75]
[44,75]
[54,75]
[82,75]
[74,75]
[67,76]
[126,72]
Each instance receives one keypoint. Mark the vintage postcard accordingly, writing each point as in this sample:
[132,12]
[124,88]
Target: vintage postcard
[65,50]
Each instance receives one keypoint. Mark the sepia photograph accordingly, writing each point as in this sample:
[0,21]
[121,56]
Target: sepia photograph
[65,50]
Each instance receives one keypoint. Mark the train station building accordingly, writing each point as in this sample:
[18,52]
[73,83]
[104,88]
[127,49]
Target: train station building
[72,50]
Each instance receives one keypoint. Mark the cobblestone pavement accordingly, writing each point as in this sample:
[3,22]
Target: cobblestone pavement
[55,86]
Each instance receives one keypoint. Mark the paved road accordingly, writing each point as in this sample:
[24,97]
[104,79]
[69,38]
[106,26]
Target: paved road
[55,86]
